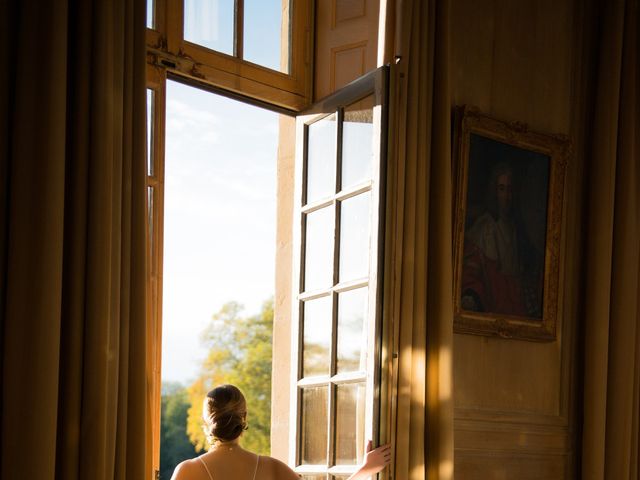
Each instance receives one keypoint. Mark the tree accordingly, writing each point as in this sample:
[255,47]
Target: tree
[174,442]
[239,352]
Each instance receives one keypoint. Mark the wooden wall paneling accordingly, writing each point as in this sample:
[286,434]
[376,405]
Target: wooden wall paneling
[532,63]
[511,60]
[481,465]
[344,10]
[511,437]
[348,62]
[345,44]
[473,26]
[512,375]
[514,399]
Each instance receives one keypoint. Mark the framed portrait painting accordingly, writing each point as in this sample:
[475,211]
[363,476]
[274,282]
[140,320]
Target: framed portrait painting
[508,214]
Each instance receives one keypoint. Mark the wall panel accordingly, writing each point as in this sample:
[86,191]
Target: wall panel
[346,43]
[514,399]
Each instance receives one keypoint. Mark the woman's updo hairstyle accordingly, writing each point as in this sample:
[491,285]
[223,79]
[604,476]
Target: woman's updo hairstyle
[224,413]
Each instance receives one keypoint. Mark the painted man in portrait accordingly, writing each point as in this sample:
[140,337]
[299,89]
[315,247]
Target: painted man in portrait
[502,270]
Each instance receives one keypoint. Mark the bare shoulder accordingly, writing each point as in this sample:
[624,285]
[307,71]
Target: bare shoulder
[274,468]
[187,470]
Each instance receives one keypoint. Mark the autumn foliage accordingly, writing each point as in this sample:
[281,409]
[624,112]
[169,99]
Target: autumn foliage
[239,352]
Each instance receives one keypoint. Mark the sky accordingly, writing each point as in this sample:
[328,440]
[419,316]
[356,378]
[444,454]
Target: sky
[219,217]
[220,188]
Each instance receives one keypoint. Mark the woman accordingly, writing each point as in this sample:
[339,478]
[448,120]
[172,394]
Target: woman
[225,413]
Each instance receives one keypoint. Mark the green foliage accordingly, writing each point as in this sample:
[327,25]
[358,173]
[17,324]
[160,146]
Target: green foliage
[240,350]
[174,442]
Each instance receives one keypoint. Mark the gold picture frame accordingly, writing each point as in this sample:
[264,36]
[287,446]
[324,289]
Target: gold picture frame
[508,216]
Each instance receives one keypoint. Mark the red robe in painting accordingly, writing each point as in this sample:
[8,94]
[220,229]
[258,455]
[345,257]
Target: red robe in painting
[492,272]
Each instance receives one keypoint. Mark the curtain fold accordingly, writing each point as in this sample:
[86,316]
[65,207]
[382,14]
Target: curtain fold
[611,428]
[72,234]
[423,291]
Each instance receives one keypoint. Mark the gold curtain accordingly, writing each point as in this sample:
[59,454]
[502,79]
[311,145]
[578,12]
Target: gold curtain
[420,183]
[72,248]
[612,312]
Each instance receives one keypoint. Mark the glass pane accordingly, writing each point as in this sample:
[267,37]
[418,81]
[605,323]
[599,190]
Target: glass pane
[150,133]
[317,337]
[321,159]
[319,240]
[354,237]
[357,142]
[350,441]
[210,23]
[313,446]
[151,7]
[352,339]
[150,220]
[263,33]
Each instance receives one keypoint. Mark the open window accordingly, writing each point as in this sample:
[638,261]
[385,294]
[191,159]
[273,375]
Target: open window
[337,349]
[336,321]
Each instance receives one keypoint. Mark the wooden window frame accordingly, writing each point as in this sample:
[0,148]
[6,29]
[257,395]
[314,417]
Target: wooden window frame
[374,83]
[170,56]
[290,91]
[156,81]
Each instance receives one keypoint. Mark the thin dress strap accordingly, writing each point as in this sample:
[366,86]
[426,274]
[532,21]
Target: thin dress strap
[206,468]
[256,470]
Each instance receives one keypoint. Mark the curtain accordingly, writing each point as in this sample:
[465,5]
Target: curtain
[612,312]
[72,240]
[422,298]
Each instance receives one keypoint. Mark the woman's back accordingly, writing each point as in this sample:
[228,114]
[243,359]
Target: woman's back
[233,463]
[224,414]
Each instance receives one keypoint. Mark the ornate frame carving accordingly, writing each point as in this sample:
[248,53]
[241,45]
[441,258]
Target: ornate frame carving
[557,148]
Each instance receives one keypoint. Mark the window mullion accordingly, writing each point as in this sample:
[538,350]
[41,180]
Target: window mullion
[238,37]
[175,27]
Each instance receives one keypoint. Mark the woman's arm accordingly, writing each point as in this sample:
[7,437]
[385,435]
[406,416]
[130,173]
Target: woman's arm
[374,461]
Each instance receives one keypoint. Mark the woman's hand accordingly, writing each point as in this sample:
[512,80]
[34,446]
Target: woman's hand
[374,461]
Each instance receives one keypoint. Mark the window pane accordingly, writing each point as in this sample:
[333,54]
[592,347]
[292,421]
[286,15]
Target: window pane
[151,7]
[357,142]
[263,33]
[321,159]
[150,207]
[150,132]
[210,23]
[352,340]
[318,263]
[350,404]
[313,447]
[354,237]
[317,337]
